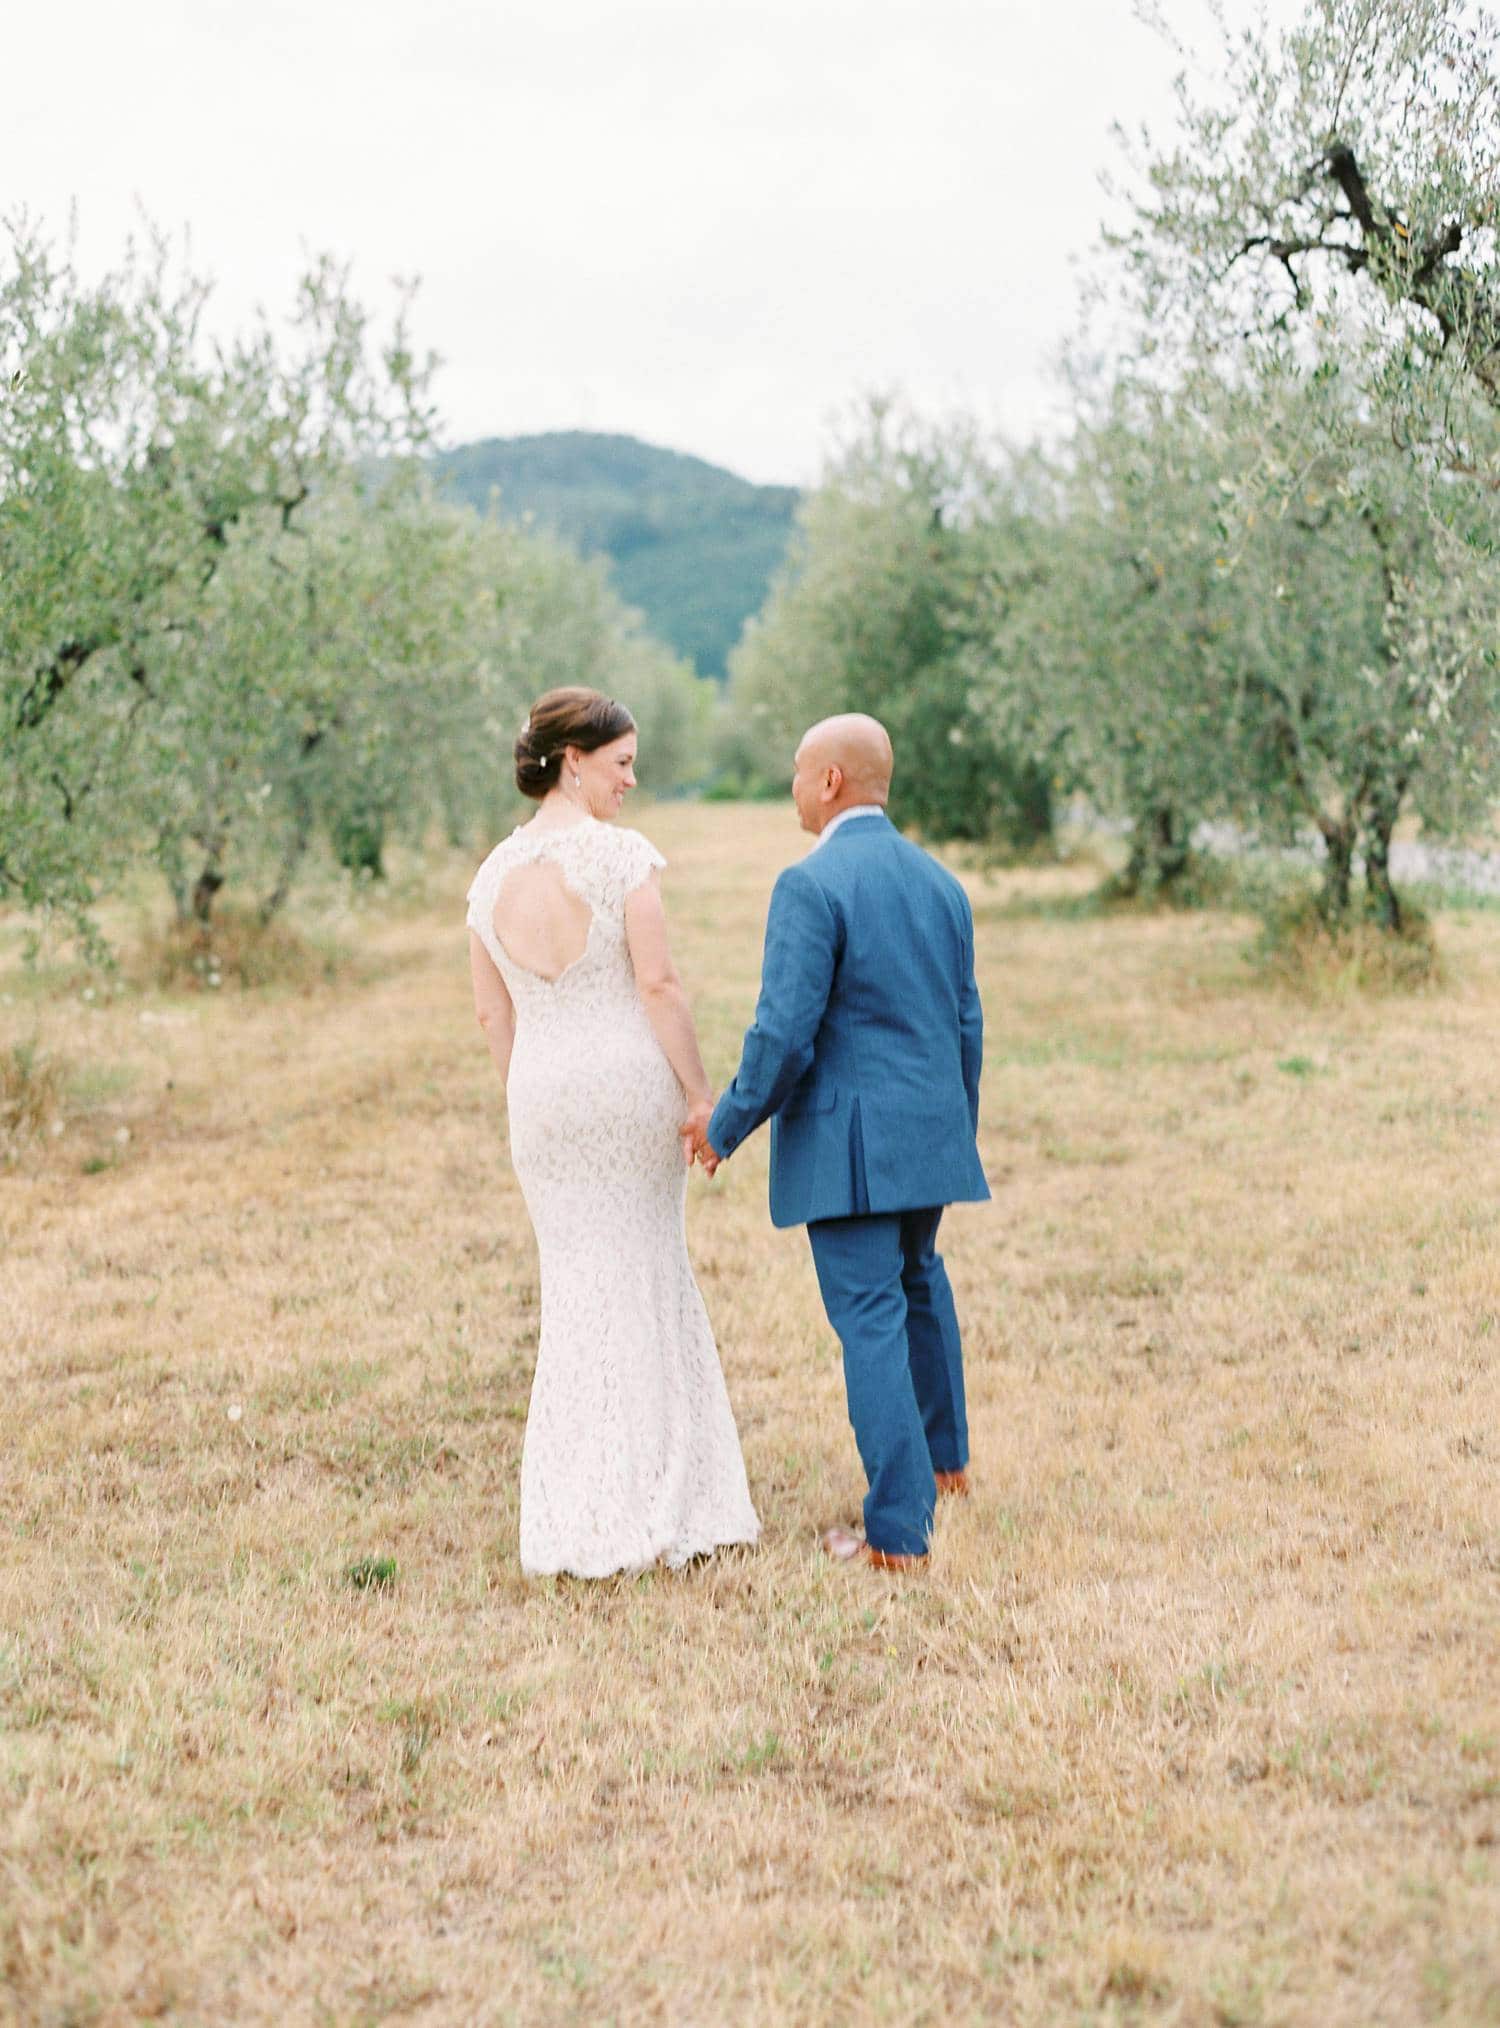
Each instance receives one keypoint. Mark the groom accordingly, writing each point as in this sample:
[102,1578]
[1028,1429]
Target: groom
[864,1055]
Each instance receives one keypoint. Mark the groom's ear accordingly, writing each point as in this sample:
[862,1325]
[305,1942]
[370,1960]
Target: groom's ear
[833,780]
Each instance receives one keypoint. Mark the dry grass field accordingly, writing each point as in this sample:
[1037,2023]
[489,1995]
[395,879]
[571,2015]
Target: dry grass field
[1194,1719]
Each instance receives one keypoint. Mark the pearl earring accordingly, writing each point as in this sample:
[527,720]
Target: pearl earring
[577,779]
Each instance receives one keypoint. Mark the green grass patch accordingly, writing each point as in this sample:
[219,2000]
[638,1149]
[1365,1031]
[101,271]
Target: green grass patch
[371,1573]
[91,1085]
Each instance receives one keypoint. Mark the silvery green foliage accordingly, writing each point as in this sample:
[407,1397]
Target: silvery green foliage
[1397,712]
[235,619]
[1350,165]
[1309,656]
[876,611]
[1108,646]
[329,683]
[136,460]
[1318,248]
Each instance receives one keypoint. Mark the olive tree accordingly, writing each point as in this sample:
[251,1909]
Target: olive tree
[1316,661]
[876,612]
[237,621]
[1320,239]
[135,459]
[1351,162]
[1369,599]
[360,676]
[1107,646]
[328,680]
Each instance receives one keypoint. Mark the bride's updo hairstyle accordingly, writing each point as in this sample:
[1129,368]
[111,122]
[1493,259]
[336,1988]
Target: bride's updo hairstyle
[574,716]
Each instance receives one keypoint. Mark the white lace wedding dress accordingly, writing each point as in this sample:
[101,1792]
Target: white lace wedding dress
[631,1452]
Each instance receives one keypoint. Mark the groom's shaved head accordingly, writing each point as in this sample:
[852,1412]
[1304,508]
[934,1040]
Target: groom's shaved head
[859,747]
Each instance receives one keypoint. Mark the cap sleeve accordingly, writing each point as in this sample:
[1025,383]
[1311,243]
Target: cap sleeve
[639,859]
[481,897]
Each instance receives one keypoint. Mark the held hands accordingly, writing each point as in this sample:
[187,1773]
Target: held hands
[693,1134]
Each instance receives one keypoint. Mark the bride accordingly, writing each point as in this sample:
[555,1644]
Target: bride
[631,1453]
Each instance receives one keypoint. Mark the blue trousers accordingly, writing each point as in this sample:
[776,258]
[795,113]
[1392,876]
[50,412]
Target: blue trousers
[887,1295]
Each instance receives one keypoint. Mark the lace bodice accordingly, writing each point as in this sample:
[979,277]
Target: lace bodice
[602,864]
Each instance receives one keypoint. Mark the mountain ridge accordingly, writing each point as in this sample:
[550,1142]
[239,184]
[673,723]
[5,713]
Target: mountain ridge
[690,544]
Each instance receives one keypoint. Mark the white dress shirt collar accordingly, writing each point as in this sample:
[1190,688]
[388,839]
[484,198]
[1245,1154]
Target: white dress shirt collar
[859,810]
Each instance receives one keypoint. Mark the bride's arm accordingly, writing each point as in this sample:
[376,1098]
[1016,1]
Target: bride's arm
[662,993]
[492,1004]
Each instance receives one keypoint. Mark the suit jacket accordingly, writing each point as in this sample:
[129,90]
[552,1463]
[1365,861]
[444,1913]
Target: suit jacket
[867,1040]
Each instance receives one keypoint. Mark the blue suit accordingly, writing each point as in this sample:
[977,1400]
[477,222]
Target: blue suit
[865,1055]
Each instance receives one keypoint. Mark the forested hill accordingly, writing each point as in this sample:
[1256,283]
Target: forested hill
[691,545]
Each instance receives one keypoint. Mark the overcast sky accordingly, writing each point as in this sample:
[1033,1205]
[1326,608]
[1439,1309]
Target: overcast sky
[707,223]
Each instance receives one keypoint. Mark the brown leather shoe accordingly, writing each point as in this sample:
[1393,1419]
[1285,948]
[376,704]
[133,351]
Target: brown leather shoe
[954,1484]
[885,1559]
[845,1546]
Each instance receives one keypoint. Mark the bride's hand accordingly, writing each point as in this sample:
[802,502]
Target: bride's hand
[693,1133]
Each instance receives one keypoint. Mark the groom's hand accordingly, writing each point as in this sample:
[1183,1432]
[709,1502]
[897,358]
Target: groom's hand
[709,1156]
